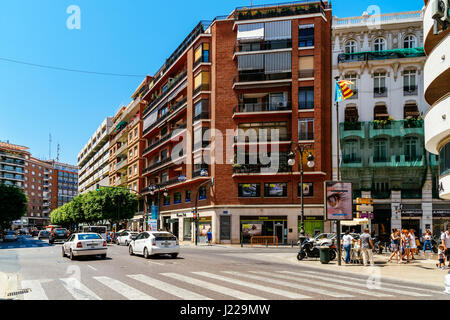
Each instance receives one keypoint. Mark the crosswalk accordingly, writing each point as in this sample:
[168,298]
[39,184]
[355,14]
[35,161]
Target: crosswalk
[202,285]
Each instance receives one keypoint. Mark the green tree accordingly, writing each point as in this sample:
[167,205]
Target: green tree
[118,204]
[13,204]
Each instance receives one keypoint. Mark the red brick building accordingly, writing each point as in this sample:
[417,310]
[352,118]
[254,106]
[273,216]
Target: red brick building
[259,70]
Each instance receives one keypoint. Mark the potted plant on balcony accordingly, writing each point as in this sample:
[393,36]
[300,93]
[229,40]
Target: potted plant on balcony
[382,124]
[413,122]
[300,10]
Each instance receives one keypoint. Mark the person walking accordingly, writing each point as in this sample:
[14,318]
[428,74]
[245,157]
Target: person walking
[445,239]
[366,244]
[413,244]
[209,235]
[347,240]
[406,245]
[441,257]
[395,245]
[427,242]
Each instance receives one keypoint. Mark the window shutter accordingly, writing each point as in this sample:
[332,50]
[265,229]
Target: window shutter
[306,63]
[251,62]
[278,62]
[278,30]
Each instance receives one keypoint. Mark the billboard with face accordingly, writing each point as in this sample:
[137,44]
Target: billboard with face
[338,200]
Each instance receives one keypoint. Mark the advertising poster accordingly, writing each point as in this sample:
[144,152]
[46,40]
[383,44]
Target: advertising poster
[153,225]
[252,229]
[338,200]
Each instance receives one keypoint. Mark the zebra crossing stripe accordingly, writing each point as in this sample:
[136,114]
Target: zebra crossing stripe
[123,289]
[325,283]
[214,287]
[78,290]
[36,293]
[166,287]
[413,294]
[383,288]
[294,285]
[253,286]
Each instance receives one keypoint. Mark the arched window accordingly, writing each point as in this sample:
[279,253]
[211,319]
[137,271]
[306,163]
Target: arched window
[379,44]
[351,113]
[380,112]
[409,42]
[350,46]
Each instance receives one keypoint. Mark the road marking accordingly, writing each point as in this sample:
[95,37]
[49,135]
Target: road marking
[78,290]
[326,283]
[37,292]
[171,289]
[159,264]
[293,285]
[123,289]
[253,286]
[92,267]
[403,292]
[389,284]
[214,287]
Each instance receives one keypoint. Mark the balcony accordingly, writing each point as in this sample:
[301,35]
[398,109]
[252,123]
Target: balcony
[262,107]
[12,161]
[272,11]
[261,76]
[180,77]
[171,111]
[307,73]
[398,128]
[121,165]
[164,139]
[381,55]
[156,165]
[10,155]
[200,116]
[202,87]
[260,168]
[379,92]
[410,91]
[123,149]
[244,139]
[263,45]
[352,129]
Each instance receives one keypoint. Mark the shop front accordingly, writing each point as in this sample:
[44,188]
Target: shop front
[263,226]
[313,225]
[204,225]
[411,219]
[441,221]
[187,228]
[381,222]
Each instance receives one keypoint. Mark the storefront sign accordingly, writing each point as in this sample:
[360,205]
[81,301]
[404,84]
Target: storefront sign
[225,212]
[181,214]
[412,213]
[313,218]
[365,215]
[441,213]
[338,200]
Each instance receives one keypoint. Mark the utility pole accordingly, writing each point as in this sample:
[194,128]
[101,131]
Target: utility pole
[338,222]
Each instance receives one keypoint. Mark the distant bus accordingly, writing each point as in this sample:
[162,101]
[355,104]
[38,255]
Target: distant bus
[101,230]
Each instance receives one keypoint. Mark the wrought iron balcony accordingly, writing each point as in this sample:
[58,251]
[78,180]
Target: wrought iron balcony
[171,111]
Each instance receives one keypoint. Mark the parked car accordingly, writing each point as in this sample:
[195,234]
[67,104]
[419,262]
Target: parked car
[118,234]
[35,233]
[84,244]
[43,234]
[10,236]
[58,235]
[126,237]
[150,243]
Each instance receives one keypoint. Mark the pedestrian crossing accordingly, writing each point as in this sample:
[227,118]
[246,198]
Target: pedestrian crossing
[227,284]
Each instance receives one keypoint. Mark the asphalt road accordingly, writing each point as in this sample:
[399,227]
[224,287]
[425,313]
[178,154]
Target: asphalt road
[199,273]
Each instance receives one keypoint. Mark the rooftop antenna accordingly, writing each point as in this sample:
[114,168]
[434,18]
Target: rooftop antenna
[57,153]
[50,146]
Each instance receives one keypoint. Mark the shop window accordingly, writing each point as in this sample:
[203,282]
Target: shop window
[275,189]
[249,190]
[187,196]
[202,193]
[177,197]
[308,189]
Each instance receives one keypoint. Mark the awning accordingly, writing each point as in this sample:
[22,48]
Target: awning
[355,222]
[253,31]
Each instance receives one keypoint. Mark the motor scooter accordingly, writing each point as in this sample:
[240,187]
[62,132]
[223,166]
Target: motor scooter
[311,250]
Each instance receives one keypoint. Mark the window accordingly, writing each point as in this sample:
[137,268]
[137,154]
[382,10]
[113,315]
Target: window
[202,193]
[308,190]
[135,132]
[135,151]
[306,129]
[187,197]
[352,77]
[379,84]
[131,136]
[177,197]
[33,173]
[130,154]
[164,177]
[135,186]
[201,54]
[411,149]
[380,150]
[275,189]
[306,67]
[379,44]
[351,151]
[249,190]
[166,200]
[444,160]
[201,110]
[306,35]
[350,46]
[163,111]
[306,98]
[164,155]
[130,171]
[201,82]
[135,169]
[380,112]
[409,42]
[409,81]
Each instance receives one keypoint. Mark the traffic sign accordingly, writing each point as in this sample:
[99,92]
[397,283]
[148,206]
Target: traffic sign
[364,201]
[366,216]
[364,208]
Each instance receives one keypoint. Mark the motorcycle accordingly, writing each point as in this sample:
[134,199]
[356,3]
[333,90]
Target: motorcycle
[308,249]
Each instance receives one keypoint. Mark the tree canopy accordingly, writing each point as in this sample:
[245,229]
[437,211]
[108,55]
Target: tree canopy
[13,204]
[112,204]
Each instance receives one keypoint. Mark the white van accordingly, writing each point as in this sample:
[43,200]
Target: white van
[101,230]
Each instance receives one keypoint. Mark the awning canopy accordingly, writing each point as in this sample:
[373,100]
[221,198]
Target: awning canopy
[355,222]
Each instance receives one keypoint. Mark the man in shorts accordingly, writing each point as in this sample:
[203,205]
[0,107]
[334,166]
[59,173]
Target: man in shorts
[445,239]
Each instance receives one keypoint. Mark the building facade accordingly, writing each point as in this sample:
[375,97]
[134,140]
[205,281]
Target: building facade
[64,183]
[381,130]
[260,72]
[437,95]
[93,159]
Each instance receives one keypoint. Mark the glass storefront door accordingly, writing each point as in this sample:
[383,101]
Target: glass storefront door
[187,229]
[254,226]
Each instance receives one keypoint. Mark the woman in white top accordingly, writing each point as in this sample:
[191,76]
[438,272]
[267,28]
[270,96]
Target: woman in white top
[427,242]
[347,240]
[413,249]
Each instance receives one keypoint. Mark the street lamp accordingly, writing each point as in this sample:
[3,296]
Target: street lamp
[291,162]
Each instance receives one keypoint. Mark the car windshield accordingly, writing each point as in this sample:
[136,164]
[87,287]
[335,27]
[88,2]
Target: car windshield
[164,236]
[88,236]
[60,230]
[11,232]
[44,232]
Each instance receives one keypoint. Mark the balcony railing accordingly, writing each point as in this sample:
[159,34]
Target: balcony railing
[122,148]
[262,107]
[381,55]
[177,80]
[156,165]
[121,164]
[197,171]
[202,87]
[260,168]
[12,161]
[410,91]
[263,45]
[379,92]
[307,73]
[202,59]
[171,111]
[261,76]
[202,115]
[163,139]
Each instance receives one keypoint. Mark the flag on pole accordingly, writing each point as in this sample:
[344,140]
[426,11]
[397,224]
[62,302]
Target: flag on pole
[343,90]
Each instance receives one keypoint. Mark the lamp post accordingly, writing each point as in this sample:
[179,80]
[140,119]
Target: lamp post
[203,173]
[291,162]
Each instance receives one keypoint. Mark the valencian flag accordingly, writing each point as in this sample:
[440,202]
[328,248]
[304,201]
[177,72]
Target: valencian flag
[343,90]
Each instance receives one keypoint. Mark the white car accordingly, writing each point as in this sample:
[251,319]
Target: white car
[84,244]
[10,236]
[126,237]
[150,243]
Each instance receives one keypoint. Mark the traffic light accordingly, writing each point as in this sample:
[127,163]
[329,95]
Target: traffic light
[98,187]
[194,214]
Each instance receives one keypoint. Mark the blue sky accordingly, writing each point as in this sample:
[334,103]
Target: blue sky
[125,37]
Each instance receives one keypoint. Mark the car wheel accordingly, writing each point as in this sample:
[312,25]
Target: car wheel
[146,255]
[174,255]
[127,243]
[130,250]
[63,253]
[72,257]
